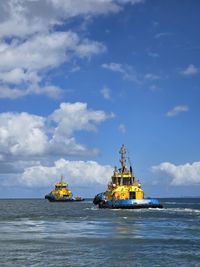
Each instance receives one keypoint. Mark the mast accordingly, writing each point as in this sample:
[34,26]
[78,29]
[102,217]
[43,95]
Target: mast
[62,179]
[123,157]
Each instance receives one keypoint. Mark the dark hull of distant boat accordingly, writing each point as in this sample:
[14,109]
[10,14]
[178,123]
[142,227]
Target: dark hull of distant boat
[53,199]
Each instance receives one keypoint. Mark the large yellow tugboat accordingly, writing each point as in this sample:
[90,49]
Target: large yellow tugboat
[61,193]
[124,191]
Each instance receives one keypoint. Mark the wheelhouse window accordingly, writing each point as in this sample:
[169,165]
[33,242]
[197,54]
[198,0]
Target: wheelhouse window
[114,180]
[126,181]
[119,180]
[60,186]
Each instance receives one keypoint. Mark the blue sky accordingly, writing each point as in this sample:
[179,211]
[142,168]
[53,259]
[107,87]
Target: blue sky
[79,78]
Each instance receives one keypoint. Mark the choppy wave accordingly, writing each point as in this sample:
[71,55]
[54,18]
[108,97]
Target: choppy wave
[182,203]
[32,232]
[182,210]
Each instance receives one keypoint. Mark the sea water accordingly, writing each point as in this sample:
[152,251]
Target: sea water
[35,232]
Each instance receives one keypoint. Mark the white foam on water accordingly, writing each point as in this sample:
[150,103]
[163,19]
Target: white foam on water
[181,210]
[180,203]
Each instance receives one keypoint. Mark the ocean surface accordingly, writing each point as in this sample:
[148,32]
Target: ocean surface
[35,232]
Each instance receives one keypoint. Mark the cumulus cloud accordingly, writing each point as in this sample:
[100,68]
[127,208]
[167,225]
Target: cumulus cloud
[30,143]
[177,110]
[187,174]
[83,173]
[71,118]
[17,75]
[31,42]
[87,7]
[49,90]
[12,93]
[39,52]
[190,70]
[22,62]
[24,134]
[23,18]
[15,167]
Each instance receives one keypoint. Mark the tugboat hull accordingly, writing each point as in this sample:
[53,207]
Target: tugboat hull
[101,201]
[118,205]
[53,199]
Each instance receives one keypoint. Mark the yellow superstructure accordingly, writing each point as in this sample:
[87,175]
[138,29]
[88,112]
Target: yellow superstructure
[61,190]
[124,184]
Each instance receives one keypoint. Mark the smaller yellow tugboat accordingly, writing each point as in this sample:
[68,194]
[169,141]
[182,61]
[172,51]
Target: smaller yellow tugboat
[124,191]
[61,193]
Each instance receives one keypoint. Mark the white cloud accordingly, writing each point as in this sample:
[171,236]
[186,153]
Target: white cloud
[49,90]
[122,128]
[23,18]
[88,48]
[46,51]
[187,174]
[127,71]
[153,54]
[71,118]
[190,70]
[76,116]
[86,7]
[18,75]
[162,34]
[13,93]
[151,76]
[35,46]
[82,173]
[106,92]
[17,19]
[115,67]
[15,167]
[132,2]
[91,7]
[35,43]
[23,62]
[23,134]
[176,110]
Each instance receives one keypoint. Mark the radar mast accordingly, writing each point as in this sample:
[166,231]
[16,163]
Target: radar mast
[123,157]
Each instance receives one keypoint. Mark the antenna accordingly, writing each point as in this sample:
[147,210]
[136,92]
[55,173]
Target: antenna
[129,161]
